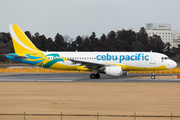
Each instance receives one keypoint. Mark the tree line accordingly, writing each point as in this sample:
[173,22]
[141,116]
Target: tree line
[124,40]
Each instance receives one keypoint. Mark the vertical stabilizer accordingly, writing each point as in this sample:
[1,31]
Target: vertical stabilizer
[21,42]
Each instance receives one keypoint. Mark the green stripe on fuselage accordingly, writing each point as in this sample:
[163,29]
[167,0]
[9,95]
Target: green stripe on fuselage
[50,63]
[54,55]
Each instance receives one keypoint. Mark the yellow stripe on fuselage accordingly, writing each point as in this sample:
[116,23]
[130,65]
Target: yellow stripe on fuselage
[163,67]
[124,67]
[133,68]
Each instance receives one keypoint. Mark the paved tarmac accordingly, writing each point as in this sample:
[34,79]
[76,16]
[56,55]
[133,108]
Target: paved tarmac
[79,77]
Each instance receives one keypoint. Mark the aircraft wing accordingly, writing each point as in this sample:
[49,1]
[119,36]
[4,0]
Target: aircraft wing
[20,57]
[88,63]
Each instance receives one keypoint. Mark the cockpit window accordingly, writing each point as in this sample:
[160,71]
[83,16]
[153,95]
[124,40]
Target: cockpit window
[165,58]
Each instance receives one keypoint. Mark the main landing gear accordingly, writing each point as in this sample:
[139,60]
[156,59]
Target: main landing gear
[95,76]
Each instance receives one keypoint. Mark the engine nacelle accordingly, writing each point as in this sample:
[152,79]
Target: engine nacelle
[113,70]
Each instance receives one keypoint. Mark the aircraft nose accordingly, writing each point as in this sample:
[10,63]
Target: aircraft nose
[171,64]
[174,64]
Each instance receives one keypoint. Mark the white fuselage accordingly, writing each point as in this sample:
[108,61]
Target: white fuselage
[133,59]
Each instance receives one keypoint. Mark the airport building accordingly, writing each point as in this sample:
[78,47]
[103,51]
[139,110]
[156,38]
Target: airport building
[164,31]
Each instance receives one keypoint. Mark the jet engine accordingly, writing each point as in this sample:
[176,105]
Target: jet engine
[115,71]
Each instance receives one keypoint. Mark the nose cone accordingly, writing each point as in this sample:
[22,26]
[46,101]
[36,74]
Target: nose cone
[172,64]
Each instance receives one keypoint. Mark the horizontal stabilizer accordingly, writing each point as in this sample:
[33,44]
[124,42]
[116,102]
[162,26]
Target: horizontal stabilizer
[20,57]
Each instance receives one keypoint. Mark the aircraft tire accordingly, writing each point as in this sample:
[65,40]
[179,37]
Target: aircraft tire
[152,77]
[92,76]
[97,76]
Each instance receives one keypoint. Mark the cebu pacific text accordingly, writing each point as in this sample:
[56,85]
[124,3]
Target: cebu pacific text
[135,57]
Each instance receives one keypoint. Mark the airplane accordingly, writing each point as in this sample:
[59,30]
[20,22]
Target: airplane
[109,63]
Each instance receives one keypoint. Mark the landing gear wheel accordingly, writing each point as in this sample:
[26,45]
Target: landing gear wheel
[97,76]
[92,76]
[152,77]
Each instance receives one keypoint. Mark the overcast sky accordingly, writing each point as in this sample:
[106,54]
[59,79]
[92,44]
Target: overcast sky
[82,17]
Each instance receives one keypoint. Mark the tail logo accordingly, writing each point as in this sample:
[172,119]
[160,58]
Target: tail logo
[55,58]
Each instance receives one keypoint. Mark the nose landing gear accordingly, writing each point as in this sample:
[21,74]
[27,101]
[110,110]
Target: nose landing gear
[152,75]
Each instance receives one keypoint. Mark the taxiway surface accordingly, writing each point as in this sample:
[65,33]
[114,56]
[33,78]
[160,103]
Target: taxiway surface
[80,77]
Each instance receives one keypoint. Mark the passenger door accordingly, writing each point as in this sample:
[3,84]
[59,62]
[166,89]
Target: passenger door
[153,59]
